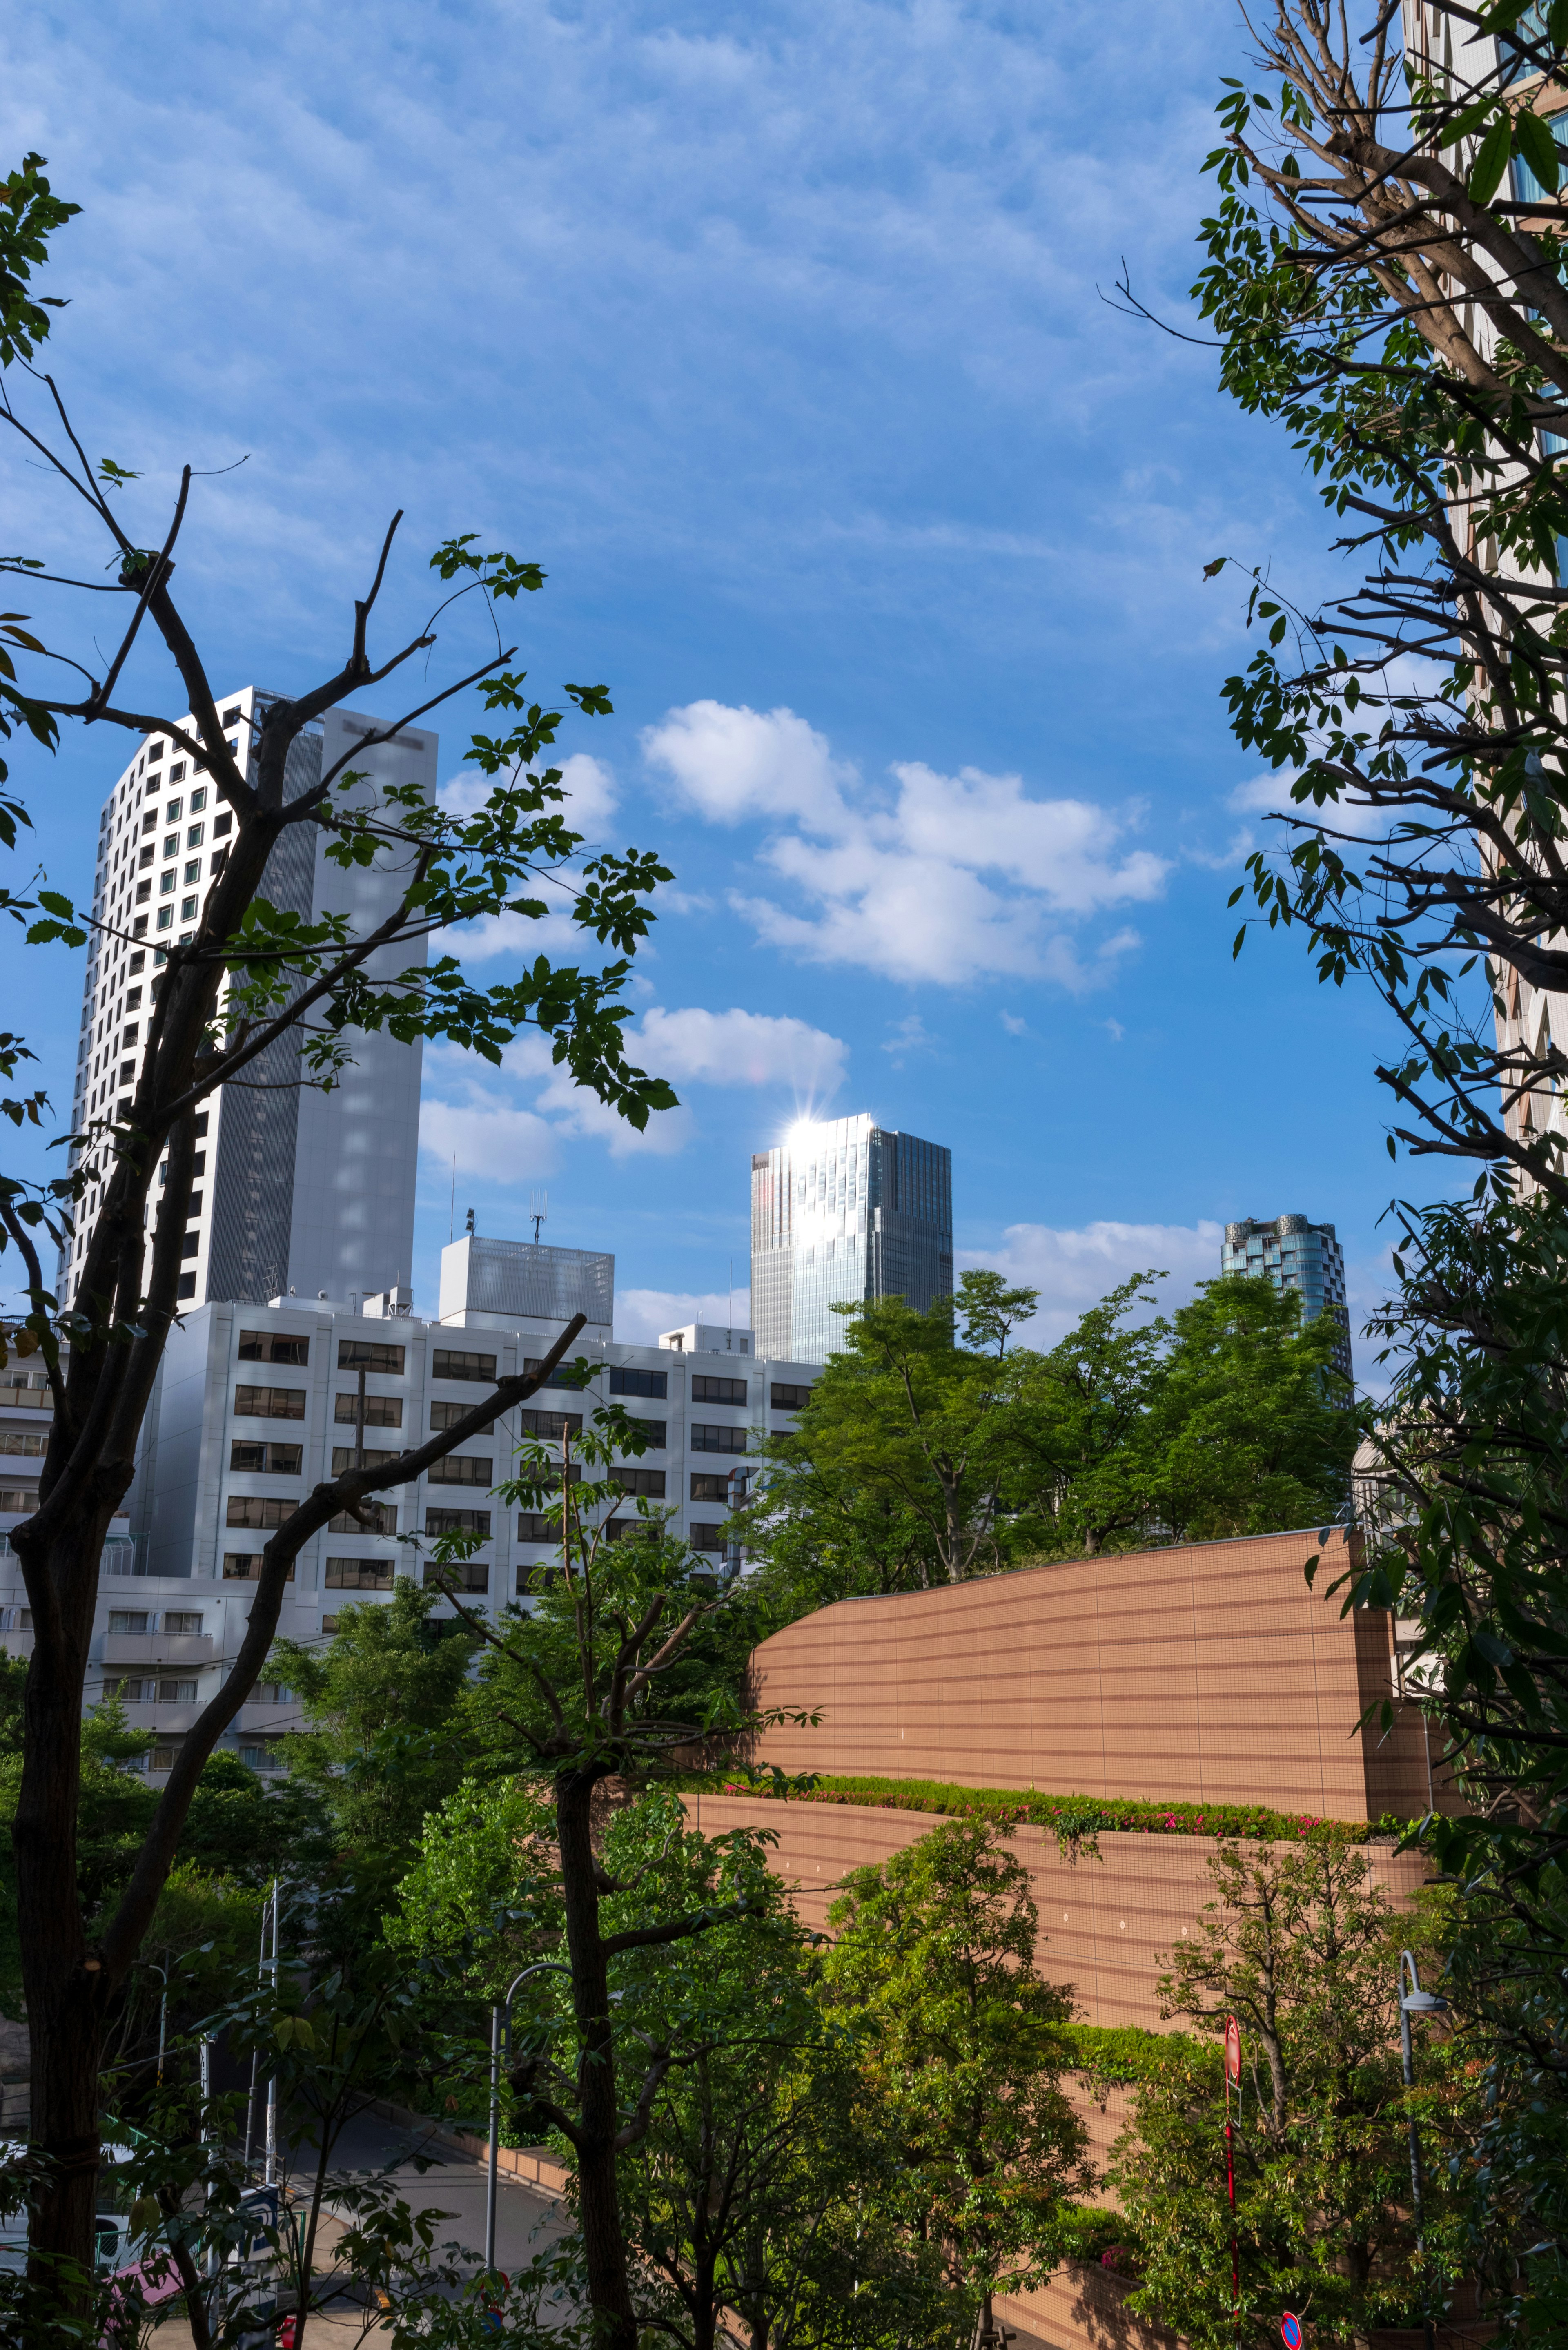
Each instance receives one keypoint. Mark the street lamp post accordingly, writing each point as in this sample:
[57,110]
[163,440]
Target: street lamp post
[500,2037]
[1416,2001]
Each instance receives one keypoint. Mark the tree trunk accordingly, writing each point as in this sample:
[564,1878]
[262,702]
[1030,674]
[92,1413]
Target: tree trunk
[65,1987]
[598,2203]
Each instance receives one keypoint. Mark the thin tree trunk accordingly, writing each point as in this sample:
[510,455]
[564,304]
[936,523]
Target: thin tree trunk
[598,2203]
[66,1989]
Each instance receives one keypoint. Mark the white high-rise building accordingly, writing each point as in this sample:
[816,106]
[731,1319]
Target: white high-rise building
[298,1190]
[255,1404]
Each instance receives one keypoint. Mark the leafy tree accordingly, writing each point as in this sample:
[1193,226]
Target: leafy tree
[252,979]
[571,1695]
[1227,1419]
[917,1459]
[1381,284]
[936,1964]
[890,1479]
[1302,1946]
[384,1742]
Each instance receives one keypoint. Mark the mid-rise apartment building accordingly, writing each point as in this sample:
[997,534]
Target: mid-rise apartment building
[255,1404]
[1294,1254]
[843,1209]
[296,1190]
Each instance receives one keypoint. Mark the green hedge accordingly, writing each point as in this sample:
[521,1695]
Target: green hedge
[1074,1819]
[1122,2054]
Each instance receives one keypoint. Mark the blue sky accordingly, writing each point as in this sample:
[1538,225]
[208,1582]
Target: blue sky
[777,336]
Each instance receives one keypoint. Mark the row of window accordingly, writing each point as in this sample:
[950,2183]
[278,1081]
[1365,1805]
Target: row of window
[181,1621]
[452,1363]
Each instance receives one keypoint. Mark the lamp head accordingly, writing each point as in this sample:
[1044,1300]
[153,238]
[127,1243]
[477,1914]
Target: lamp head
[1424,2002]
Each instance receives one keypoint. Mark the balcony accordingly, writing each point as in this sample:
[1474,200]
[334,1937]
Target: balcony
[270,1718]
[164,1721]
[158,1649]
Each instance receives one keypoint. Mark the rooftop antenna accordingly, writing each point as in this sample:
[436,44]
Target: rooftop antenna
[730,1309]
[468,1227]
[539,1211]
[451,1218]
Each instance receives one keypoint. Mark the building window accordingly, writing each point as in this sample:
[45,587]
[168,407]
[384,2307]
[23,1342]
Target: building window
[165,1754]
[127,1619]
[448,1364]
[359,1574]
[712,1438]
[348,1455]
[269,1693]
[15,1439]
[165,887]
[458,1575]
[258,1758]
[559,1378]
[786,1398]
[647,1482]
[245,1567]
[258,1510]
[458,1522]
[222,823]
[624,1382]
[273,1346]
[369,1355]
[463,1469]
[552,1425]
[187,910]
[538,1525]
[269,1403]
[706,1487]
[187,1284]
[263,1460]
[165,918]
[380,1411]
[378,1518]
[707,1391]
[706,1538]
[174,1692]
[183,1621]
[653,1432]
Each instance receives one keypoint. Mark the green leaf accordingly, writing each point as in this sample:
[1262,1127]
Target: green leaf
[1532,137]
[1491,162]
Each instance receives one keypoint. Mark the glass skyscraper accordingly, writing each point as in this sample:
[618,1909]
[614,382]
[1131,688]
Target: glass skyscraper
[1295,1254]
[842,1211]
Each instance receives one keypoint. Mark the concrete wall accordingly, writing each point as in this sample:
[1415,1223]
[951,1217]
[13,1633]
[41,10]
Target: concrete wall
[1107,1926]
[1205,1673]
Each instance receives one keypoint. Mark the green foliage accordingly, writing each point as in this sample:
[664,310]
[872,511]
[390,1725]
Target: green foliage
[1072,1818]
[384,1743]
[1227,1419]
[890,1479]
[1302,1947]
[1432,431]
[935,1965]
[1470,1547]
[918,1461]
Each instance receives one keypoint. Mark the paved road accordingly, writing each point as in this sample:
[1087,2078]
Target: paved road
[526,2219]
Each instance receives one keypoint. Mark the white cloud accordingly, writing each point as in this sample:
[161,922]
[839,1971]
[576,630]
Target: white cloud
[910,1036]
[488,1138]
[738,1048]
[938,876]
[1014,1024]
[1072,1269]
[642,1314]
[590,788]
[729,763]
